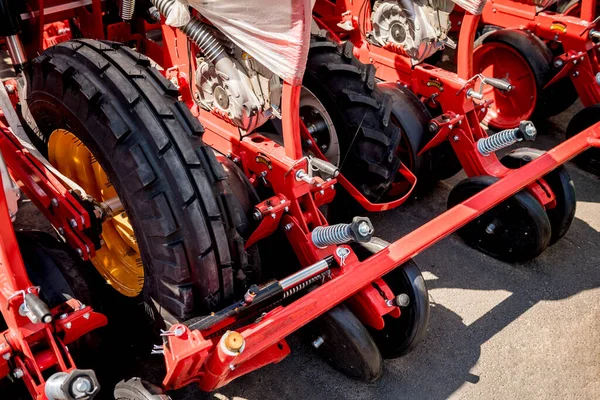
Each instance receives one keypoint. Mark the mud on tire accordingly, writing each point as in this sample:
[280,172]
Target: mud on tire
[172,187]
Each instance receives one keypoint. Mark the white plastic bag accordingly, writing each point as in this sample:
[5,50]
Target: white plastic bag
[179,14]
[275,32]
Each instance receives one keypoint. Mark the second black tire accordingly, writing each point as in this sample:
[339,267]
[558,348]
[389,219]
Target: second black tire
[360,112]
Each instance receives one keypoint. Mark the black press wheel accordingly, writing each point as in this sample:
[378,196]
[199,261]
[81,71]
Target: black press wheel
[343,341]
[590,159]
[401,335]
[561,216]
[516,230]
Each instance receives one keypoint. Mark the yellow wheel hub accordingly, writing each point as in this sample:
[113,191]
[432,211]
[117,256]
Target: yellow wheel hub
[118,260]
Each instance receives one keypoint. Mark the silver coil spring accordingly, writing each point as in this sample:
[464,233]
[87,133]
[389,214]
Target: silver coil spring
[305,284]
[497,141]
[197,31]
[126,9]
[323,236]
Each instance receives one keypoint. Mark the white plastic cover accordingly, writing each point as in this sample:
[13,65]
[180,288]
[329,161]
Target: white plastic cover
[275,32]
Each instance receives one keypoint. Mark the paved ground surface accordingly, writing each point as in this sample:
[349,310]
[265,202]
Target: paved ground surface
[496,330]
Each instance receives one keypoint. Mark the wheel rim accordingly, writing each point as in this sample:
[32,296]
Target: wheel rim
[118,260]
[320,125]
[400,335]
[505,230]
[501,61]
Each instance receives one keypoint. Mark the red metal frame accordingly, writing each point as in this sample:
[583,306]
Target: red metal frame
[461,116]
[34,347]
[580,57]
[192,356]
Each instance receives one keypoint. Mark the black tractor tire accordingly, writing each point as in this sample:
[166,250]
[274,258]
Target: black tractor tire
[149,144]
[361,114]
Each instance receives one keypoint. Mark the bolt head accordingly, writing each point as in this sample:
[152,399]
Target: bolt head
[402,300]
[289,226]
[558,63]
[179,331]
[257,215]
[82,385]
[63,316]
[364,229]
[598,78]
[68,325]
[318,342]
[273,215]
[455,138]
[6,356]
[73,223]
[433,127]
[18,373]
[86,315]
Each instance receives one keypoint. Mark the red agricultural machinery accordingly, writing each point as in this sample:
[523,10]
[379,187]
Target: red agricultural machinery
[549,55]
[102,132]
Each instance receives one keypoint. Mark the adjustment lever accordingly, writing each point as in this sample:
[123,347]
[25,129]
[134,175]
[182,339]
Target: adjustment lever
[324,167]
[500,84]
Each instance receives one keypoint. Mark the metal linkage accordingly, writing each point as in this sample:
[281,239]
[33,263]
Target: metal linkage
[360,230]
[506,138]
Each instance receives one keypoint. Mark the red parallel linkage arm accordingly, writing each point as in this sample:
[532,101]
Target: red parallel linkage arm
[213,369]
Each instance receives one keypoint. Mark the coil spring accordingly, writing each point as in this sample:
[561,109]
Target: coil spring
[126,9]
[305,284]
[197,31]
[323,236]
[497,141]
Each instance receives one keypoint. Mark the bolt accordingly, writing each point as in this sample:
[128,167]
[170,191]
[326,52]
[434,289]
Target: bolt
[576,73]
[61,231]
[68,325]
[455,138]
[18,373]
[322,192]
[558,63]
[318,342]
[86,315]
[54,203]
[73,223]
[63,316]
[402,300]
[82,385]
[490,228]
[308,143]
[364,229]
[231,367]
[288,227]
[273,215]
[598,78]
[179,331]
[530,130]
[257,215]
[236,160]
[6,356]
[79,252]
[286,209]
[574,62]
